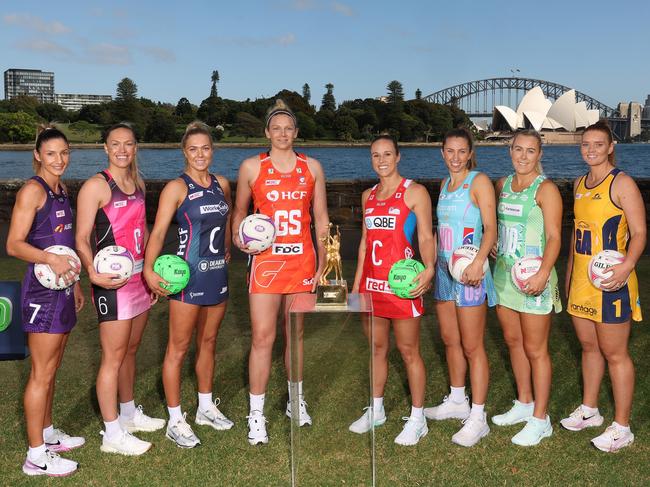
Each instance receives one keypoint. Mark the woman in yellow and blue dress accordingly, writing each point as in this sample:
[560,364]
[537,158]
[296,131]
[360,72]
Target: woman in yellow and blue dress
[609,215]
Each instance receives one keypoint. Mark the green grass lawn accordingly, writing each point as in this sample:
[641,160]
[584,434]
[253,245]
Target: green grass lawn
[336,385]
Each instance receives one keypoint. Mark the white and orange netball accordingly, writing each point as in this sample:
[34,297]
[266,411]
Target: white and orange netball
[114,259]
[257,231]
[461,258]
[599,265]
[524,268]
[46,276]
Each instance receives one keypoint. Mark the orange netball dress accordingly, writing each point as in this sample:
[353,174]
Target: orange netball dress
[289,265]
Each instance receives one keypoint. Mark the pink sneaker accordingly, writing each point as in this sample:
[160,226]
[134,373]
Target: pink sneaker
[579,420]
[613,439]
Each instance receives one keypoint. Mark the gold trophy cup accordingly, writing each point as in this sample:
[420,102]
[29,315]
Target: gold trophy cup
[332,293]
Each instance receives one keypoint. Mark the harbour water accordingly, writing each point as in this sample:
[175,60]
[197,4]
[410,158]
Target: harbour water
[339,163]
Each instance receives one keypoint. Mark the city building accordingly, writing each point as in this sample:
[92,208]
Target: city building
[646,108]
[74,101]
[30,82]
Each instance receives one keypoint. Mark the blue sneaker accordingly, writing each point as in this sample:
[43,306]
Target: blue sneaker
[518,413]
[535,430]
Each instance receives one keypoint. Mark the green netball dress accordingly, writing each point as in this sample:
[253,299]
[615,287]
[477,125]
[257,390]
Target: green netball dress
[521,233]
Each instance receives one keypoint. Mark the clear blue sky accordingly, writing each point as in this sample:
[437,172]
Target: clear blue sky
[260,47]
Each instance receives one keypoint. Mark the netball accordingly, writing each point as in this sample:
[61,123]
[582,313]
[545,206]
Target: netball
[257,231]
[461,258]
[47,277]
[114,259]
[401,275]
[523,269]
[599,266]
[174,270]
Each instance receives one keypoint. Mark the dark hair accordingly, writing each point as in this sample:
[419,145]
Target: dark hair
[125,125]
[603,126]
[43,134]
[529,133]
[389,138]
[462,133]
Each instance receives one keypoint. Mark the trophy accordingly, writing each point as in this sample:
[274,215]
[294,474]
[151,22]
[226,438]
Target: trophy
[332,293]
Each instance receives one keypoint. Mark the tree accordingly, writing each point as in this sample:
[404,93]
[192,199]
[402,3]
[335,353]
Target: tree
[306,92]
[306,126]
[215,80]
[328,102]
[346,128]
[212,111]
[126,90]
[20,103]
[18,128]
[184,111]
[247,125]
[418,94]
[161,127]
[395,92]
[52,112]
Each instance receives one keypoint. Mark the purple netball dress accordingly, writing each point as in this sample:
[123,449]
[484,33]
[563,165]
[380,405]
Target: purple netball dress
[46,310]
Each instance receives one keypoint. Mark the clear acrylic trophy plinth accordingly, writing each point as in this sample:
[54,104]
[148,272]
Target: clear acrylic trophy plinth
[337,371]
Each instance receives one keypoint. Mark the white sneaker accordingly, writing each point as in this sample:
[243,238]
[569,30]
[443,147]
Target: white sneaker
[124,444]
[141,422]
[304,417]
[474,428]
[448,409]
[181,433]
[414,429]
[518,413]
[59,441]
[257,428]
[50,464]
[579,420]
[213,417]
[613,439]
[363,424]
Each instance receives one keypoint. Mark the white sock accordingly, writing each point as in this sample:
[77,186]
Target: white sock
[378,404]
[621,427]
[112,428]
[457,394]
[417,413]
[34,453]
[127,409]
[47,432]
[205,400]
[477,409]
[299,389]
[527,404]
[175,414]
[257,402]
[589,410]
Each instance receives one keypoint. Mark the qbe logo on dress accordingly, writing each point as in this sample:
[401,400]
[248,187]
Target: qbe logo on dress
[6,313]
[380,222]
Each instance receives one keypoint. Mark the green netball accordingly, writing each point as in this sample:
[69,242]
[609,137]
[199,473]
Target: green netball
[401,275]
[174,270]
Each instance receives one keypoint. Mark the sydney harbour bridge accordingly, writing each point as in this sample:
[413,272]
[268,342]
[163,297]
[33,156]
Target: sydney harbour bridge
[478,98]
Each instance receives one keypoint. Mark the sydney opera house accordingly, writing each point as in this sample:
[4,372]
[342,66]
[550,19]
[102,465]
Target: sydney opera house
[555,120]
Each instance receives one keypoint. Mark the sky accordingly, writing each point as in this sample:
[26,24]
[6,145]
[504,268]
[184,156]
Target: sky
[261,47]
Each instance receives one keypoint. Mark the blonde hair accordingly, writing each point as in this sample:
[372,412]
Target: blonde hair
[134,172]
[43,134]
[530,133]
[279,108]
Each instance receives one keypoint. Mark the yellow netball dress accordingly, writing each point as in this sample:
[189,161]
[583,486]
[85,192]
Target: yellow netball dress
[600,225]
